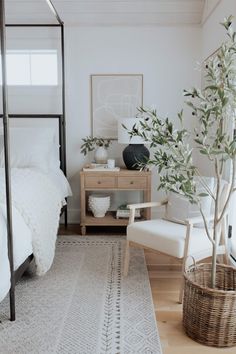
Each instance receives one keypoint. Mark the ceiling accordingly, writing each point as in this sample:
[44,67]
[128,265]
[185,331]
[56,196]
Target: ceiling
[112,12]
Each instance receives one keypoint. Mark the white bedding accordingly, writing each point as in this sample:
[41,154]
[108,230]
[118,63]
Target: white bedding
[37,199]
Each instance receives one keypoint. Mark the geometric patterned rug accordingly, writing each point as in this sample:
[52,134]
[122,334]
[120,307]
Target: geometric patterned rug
[84,305]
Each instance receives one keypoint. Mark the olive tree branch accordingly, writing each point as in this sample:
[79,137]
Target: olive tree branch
[206,227]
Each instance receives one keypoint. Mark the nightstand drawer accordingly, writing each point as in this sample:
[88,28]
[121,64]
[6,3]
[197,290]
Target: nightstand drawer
[100,182]
[132,182]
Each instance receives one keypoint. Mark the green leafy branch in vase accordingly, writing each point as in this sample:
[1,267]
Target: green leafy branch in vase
[91,143]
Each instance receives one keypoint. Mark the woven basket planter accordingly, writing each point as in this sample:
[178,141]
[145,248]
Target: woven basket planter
[209,315]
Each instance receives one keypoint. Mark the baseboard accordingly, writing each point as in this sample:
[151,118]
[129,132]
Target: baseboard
[73,216]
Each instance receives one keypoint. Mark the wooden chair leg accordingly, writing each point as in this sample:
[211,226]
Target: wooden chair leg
[186,247]
[181,290]
[126,263]
[226,259]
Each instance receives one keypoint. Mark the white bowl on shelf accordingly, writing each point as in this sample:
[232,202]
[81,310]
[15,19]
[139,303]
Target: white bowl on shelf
[99,204]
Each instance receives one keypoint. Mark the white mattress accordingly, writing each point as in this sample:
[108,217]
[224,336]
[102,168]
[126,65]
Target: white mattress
[21,233]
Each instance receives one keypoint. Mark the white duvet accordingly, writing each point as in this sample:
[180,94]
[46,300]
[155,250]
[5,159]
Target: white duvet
[36,201]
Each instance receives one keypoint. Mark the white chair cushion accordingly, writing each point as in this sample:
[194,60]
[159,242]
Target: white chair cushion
[168,237]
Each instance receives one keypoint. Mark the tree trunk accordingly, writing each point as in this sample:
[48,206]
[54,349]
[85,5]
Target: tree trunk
[217,233]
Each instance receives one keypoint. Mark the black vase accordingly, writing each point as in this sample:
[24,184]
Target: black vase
[134,154]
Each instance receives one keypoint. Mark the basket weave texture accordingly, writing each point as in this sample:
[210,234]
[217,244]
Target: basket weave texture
[209,315]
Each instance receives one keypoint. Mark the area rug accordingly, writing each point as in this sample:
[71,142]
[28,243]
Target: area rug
[84,304]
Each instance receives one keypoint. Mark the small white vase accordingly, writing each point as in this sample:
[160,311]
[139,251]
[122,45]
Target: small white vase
[100,155]
[99,204]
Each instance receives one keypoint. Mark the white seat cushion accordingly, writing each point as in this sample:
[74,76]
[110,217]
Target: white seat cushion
[169,237]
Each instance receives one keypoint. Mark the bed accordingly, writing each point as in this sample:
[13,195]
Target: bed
[39,192]
[36,205]
[29,216]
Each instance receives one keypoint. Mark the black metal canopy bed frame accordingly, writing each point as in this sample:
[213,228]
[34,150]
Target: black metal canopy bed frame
[16,274]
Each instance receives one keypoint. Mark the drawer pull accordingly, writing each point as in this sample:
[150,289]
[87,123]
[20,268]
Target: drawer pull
[131,182]
[99,182]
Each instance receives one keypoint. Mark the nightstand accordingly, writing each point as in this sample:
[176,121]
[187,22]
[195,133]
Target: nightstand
[123,180]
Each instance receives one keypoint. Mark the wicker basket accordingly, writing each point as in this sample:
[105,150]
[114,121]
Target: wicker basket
[209,315]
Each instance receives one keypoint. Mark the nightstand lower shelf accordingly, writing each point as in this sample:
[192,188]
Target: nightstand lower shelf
[108,220]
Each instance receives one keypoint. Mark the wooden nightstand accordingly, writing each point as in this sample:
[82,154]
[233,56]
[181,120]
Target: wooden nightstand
[123,180]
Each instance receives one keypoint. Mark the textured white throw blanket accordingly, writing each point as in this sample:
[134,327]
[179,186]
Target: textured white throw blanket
[39,203]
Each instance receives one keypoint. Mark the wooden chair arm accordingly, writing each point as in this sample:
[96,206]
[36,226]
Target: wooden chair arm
[147,205]
[133,207]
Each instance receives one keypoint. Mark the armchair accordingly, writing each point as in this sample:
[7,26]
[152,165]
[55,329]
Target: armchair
[177,239]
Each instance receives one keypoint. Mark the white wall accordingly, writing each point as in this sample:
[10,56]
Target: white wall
[165,56]
[212,33]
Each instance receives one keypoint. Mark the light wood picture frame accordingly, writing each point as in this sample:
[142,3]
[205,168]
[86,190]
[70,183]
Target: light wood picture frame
[114,96]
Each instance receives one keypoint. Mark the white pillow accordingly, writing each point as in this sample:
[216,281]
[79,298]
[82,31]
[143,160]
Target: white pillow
[30,148]
[179,208]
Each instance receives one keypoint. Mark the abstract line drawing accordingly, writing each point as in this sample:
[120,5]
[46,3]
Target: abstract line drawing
[114,97]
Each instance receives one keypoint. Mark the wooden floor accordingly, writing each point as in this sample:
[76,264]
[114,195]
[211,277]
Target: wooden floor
[164,286]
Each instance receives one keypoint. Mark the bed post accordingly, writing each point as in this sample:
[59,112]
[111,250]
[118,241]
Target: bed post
[63,106]
[7,158]
[61,23]
[63,156]
[63,91]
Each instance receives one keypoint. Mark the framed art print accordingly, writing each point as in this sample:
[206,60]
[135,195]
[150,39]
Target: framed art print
[114,96]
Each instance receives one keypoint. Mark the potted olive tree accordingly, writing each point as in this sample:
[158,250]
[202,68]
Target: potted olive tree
[210,291]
